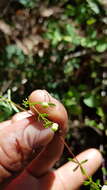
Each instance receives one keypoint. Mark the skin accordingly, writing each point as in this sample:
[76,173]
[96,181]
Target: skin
[29,151]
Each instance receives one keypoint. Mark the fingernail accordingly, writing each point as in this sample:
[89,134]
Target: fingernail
[47,96]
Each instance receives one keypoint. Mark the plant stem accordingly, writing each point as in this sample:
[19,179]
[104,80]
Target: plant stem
[48,123]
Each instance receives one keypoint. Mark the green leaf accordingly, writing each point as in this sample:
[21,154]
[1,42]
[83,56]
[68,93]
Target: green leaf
[48,124]
[51,104]
[86,183]
[91,101]
[93,6]
[100,126]
[100,113]
[101,47]
[70,66]
[91,21]
[25,103]
[84,161]
[5,110]
[104,171]
[72,160]
[91,123]
[34,103]
[28,3]
[87,42]
[43,115]
[14,107]
[83,170]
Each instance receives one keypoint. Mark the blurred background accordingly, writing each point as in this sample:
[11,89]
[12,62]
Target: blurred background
[60,46]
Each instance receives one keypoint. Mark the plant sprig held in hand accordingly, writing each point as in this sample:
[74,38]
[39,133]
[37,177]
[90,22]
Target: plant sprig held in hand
[54,126]
[42,116]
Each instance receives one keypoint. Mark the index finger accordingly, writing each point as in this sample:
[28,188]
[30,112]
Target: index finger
[53,150]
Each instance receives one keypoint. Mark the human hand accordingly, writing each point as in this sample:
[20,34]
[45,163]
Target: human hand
[23,138]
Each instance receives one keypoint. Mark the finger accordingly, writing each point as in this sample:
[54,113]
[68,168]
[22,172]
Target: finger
[5,123]
[17,143]
[65,178]
[22,115]
[55,113]
[53,151]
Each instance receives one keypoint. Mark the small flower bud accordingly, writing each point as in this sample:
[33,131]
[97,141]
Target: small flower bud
[104,187]
[54,127]
[45,104]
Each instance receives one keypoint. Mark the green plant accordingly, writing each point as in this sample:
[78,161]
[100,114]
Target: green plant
[41,116]
[55,127]
[59,46]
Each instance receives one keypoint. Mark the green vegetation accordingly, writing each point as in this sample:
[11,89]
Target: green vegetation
[54,127]
[60,46]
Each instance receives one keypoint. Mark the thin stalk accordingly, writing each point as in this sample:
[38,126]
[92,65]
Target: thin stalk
[40,115]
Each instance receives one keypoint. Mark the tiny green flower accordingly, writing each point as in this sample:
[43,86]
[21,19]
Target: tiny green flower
[54,127]
[45,104]
[104,187]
